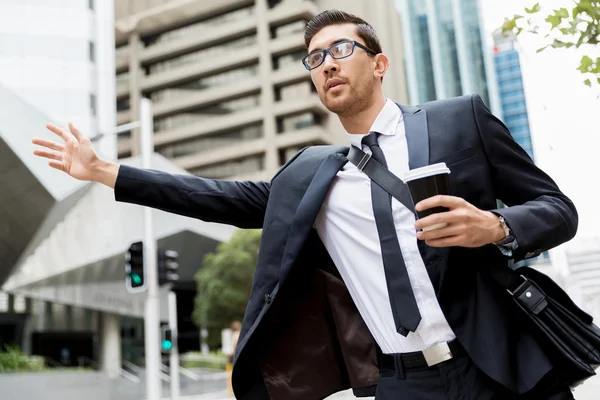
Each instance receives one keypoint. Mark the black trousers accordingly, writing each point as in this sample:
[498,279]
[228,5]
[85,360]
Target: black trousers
[456,379]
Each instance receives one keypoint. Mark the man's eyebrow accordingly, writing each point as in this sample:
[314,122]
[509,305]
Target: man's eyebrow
[332,43]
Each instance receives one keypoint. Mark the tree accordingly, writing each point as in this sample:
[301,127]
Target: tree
[224,283]
[577,26]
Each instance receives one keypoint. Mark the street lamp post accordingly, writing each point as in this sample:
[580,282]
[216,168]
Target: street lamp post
[152,307]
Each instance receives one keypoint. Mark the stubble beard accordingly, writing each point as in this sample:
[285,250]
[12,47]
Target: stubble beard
[348,104]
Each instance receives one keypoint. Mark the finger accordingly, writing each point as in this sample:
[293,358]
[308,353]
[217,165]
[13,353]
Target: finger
[439,201]
[433,219]
[450,241]
[48,154]
[457,215]
[48,143]
[57,165]
[447,231]
[76,132]
[59,131]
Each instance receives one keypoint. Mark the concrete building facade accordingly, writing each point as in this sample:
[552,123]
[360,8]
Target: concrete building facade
[231,98]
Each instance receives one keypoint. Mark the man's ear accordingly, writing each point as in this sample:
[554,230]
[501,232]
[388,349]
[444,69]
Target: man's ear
[382,64]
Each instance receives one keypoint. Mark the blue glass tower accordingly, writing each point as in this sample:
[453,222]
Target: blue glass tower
[510,87]
[443,49]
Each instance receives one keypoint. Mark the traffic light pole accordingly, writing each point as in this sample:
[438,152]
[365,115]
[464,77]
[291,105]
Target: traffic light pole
[152,308]
[174,355]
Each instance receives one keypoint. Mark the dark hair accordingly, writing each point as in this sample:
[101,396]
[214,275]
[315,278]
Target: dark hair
[335,17]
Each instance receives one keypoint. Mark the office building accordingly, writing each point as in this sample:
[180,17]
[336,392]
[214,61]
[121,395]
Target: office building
[58,55]
[443,49]
[507,65]
[231,98]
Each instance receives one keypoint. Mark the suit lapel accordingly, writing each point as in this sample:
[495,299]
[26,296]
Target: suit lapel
[307,210]
[417,135]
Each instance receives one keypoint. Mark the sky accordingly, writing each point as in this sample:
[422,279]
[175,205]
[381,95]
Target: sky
[564,115]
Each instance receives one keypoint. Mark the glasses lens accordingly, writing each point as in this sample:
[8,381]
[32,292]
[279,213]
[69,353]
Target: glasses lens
[315,59]
[342,49]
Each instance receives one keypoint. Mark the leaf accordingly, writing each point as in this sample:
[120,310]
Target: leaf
[556,19]
[587,82]
[563,12]
[542,49]
[586,64]
[558,44]
[536,8]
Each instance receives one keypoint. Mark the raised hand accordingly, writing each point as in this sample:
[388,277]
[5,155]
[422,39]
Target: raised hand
[76,156]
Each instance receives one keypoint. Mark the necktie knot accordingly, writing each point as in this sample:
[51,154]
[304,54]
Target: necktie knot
[370,140]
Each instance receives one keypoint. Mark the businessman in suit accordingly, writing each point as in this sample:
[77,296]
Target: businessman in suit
[349,292]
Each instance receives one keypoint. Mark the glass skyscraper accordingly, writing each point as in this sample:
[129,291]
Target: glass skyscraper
[443,49]
[510,87]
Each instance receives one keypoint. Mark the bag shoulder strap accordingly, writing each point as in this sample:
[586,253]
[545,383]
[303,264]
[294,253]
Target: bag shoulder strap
[504,275]
[381,176]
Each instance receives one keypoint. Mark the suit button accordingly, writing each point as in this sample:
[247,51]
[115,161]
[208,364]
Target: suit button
[268,299]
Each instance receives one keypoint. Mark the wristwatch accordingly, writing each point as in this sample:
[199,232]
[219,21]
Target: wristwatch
[507,231]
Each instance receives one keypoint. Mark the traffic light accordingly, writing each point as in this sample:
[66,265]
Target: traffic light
[166,339]
[135,277]
[167,267]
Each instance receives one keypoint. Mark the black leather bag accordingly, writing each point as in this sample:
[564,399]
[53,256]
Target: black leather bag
[561,327]
[566,332]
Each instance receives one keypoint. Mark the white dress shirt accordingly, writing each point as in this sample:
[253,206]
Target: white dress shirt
[346,226]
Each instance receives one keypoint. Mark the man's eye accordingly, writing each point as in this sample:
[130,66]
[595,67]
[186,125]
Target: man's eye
[316,58]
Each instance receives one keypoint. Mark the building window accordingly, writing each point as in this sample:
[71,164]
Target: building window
[298,121]
[289,59]
[229,169]
[290,29]
[294,91]
[206,114]
[93,104]
[212,142]
[91,4]
[206,55]
[92,51]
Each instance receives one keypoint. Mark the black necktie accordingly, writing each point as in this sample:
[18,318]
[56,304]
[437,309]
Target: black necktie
[404,306]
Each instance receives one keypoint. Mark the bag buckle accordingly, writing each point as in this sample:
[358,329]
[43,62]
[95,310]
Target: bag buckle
[363,162]
[525,281]
[437,354]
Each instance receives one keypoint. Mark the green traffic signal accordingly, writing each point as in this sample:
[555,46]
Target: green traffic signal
[167,345]
[135,278]
[134,268]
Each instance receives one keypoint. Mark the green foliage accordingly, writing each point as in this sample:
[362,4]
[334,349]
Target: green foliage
[210,361]
[578,26]
[224,283]
[13,360]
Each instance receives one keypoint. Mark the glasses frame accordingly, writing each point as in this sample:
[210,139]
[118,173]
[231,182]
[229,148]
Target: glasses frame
[328,51]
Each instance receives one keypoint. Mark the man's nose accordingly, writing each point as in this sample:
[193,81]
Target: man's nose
[330,65]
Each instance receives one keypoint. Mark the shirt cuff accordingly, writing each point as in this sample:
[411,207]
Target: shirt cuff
[508,246]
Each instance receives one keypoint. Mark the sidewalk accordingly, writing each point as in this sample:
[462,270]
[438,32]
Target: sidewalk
[587,391]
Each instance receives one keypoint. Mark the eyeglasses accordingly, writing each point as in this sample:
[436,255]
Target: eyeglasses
[339,50]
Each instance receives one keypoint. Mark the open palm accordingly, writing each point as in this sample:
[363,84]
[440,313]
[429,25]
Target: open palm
[76,156]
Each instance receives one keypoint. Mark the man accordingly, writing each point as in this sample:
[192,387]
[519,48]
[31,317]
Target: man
[327,311]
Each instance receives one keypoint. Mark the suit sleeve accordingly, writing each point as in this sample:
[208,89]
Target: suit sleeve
[539,214]
[241,204]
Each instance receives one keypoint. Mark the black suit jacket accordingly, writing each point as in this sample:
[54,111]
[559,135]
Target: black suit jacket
[302,337]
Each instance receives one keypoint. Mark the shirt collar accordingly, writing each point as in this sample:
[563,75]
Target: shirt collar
[386,123]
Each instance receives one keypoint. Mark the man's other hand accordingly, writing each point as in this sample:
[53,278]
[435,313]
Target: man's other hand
[467,226]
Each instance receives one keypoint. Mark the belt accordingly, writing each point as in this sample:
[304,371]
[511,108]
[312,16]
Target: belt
[422,359]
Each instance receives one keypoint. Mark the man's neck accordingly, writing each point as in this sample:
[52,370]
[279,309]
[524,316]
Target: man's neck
[361,122]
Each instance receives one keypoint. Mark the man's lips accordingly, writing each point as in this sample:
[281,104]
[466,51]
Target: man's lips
[334,83]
